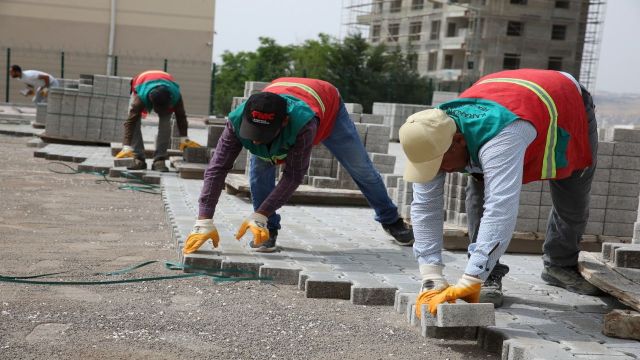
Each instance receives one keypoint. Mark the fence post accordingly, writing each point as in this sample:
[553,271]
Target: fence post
[212,92]
[166,63]
[115,65]
[62,64]
[6,94]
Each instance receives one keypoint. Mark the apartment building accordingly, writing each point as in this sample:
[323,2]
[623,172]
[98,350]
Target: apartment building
[112,37]
[459,41]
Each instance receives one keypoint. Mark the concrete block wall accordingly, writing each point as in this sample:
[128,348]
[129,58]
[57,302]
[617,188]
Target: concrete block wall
[394,115]
[92,108]
[253,87]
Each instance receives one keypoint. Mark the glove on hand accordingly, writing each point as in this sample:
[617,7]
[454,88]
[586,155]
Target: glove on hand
[126,152]
[202,231]
[257,223]
[186,143]
[467,289]
[433,282]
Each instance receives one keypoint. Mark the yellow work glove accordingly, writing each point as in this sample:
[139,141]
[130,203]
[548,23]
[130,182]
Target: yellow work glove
[433,282]
[126,152]
[257,223]
[202,231]
[186,143]
[467,289]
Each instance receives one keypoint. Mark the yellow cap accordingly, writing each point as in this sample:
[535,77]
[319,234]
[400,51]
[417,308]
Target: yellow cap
[425,137]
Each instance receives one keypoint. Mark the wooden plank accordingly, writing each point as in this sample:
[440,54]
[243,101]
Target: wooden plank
[612,282]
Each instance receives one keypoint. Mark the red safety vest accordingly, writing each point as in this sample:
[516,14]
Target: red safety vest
[322,97]
[548,100]
[149,76]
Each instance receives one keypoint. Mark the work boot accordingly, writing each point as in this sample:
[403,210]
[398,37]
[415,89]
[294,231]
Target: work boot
[159,165]
[568,277]
[491,291]
[267,246]
[401,232]
[138,164]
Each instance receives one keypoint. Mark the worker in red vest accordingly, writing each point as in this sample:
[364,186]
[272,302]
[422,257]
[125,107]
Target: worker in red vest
[508,129]
[280,126]
[154,90]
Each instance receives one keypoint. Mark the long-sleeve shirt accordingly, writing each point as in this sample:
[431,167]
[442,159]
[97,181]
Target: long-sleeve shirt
[502,163]
[136,108]
[227,150]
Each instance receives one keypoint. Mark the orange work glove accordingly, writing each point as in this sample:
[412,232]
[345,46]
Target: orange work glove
[257,223]
[467,289]
[202,231]
[126,152]
[433,282]
[186,143]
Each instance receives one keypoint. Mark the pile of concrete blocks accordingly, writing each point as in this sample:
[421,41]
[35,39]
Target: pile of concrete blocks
[253,87]
[394,115]
[202,155]
[41,116]
[91,109]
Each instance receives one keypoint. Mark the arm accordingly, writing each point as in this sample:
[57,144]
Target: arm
[181,118]
[427,218]
[221,162]
[502,160]
[135,113]
[296,166]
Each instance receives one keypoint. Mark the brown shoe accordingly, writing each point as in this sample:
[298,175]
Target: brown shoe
[138,164]
[160,166]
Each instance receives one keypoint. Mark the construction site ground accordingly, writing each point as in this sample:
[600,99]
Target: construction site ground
[53,222]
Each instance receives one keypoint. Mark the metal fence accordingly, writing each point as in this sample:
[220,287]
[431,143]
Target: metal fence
[194,77]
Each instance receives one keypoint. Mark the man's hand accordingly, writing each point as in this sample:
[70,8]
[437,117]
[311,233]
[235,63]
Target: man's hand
[257,223]
[126,152]
[467,289]
[186,143]
[202,231]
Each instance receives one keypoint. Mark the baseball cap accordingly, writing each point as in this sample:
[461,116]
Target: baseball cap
[262,117]
[425,137]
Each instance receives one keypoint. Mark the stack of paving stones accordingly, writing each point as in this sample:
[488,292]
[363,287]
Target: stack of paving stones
[250,88]
[90,109]
[349,257]
[440,97]
[41,116]
[394,115]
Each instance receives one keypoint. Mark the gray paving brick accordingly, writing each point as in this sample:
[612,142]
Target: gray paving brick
[325,285]
[627,256]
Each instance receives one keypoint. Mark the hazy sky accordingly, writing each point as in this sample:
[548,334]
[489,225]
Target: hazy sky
[239,23]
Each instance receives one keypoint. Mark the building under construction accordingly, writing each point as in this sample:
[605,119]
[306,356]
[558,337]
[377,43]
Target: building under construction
[459,41]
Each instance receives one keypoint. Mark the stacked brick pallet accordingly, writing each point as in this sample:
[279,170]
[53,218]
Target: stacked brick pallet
[394,115]
[90,109]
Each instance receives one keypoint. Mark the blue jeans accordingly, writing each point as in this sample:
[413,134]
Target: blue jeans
[344,143]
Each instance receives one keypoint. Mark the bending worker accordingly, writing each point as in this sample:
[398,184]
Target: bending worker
[157,91]
[280,126]
[38,82]
[509,128]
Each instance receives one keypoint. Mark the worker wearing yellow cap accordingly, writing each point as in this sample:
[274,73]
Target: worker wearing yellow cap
[508,129]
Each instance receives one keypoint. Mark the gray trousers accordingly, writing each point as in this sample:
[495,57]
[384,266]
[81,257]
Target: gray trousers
[163,139]
[569,213]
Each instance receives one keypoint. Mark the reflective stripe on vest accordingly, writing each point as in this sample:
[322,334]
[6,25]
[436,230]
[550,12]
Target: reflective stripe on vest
[548,170]
[151,72]
[303,87]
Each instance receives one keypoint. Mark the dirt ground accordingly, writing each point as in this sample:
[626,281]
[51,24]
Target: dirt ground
[51,222]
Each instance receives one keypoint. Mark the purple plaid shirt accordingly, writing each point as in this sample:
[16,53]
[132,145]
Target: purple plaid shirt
[227,150]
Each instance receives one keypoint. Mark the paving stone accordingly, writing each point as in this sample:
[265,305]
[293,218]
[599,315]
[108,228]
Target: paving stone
[369,290]
[627,256]
[463,314]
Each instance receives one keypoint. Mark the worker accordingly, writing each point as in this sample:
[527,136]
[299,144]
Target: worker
[157,91]
[509,128]
[280,126]
[38,82]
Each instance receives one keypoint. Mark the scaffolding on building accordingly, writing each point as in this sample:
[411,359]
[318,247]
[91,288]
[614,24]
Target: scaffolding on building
[351,10]
[592,40]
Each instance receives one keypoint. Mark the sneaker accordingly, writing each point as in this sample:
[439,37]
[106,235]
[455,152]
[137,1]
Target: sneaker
[568,277]
[159,165]
[267,246]
[138,164]
[491,291]
[401,232]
